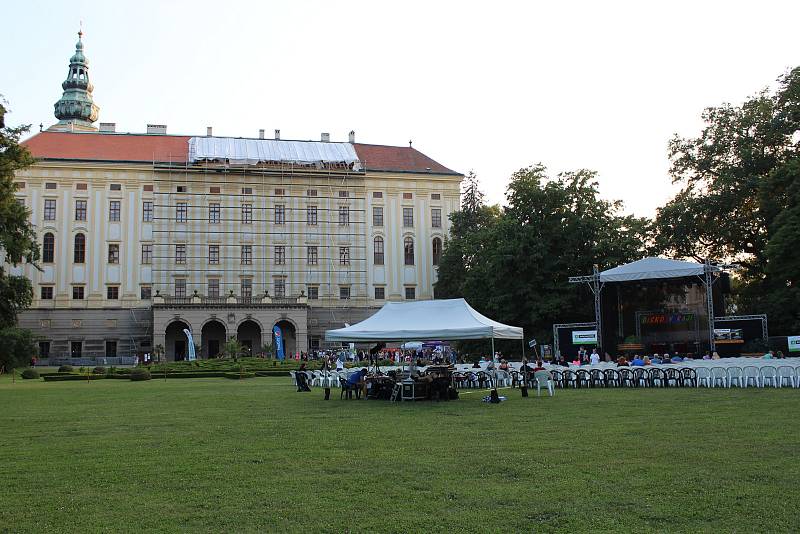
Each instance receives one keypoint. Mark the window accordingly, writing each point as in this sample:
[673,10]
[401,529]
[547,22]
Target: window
[377,251]
[49,209]
[181,189]
[344,293]
[247,190]
[377,216]
[311,192]
[344,255]
[115,187]
[344,194]
[46,292]
[280,192]
[407,196]
[146,292]
[213,213]
[344,215]
[313,257]
[113,210]
[77,292]
[213,254]
[81,187]
[180,254]
[111,349]
[247,213]
[437,250]
[112,292]
[411,293]
[247,254]
[311,215]
[77,323]
[313,293]
[408,251]
[247,288]
[80,210]
[213,288]
[48,248]
[436,196]
[76,349]
[280,255]
[280,287]
[214,190]
[44,349]
[377,194]
[180,287]
[113,253]
[148,187]
[436,218]
[79,250]
[380,293]
[280,214]
[147,254]
[181,212]
[408,217]
[147,211]
[50,185]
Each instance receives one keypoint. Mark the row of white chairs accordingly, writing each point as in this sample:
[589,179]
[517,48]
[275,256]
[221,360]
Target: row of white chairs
[749,375]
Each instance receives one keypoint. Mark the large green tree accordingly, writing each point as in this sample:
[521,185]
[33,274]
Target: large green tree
[17,243]
[513,264]
[739,201]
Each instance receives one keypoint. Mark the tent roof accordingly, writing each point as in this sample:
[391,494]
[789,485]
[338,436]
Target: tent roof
[651,268]
[424,320]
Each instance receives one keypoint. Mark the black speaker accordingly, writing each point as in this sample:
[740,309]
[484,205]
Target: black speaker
[725,283]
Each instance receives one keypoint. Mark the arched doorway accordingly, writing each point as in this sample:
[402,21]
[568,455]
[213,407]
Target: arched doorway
[213,338]
[175,343]
[289,337]
[249,335]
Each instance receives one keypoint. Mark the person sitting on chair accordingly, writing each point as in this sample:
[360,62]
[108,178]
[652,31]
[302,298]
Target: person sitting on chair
[302,378]
[356,381]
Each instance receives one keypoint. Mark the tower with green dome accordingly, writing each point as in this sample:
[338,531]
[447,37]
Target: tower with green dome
[76,110]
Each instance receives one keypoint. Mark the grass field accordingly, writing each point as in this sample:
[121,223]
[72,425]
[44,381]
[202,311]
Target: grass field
[217,455]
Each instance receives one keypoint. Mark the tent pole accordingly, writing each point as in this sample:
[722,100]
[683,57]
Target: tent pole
[494,370]
[524,385]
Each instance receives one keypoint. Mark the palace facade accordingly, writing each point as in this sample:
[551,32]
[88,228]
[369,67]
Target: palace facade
[145,235]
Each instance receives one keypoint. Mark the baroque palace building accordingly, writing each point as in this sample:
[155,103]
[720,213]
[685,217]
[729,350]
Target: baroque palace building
[144,235]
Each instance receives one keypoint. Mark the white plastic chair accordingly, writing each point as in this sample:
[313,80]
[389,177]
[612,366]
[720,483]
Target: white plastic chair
[735,375]
[294,378]
[769,374]
[719,376]
[785,373]
[703,377]
[751,374]
[543,379]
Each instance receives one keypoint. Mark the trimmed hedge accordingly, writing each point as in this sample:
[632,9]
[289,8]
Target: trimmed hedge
[138,375]
[237,376]
[99,370]
[29,374]
[65,377]
[65,369]
[272,373]
[190,374]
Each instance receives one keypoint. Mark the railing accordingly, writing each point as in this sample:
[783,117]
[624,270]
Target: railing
[224,301]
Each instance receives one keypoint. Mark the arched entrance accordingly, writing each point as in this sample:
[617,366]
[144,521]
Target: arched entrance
[175,343]
[213,338]
[249,335]
[289,337]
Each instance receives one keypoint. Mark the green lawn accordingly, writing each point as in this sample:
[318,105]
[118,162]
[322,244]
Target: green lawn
[217,455]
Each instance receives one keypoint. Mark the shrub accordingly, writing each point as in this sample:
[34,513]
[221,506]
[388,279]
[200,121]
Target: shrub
[99,370]
[30,373]
[65,369]
[140,374]
[272,373]
[66,377]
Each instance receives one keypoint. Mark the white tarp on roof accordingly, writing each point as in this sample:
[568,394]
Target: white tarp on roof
[425,320]
[649,268]
[253,151]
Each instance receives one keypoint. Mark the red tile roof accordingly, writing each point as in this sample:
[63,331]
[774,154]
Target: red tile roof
[110,147]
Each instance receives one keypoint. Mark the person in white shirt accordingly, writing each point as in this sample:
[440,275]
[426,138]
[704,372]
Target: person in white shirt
[594,359]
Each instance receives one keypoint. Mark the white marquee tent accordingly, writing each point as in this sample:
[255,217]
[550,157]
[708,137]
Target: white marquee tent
[425,320]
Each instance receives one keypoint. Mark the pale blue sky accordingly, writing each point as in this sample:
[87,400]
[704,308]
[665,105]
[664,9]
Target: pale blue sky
[490,86]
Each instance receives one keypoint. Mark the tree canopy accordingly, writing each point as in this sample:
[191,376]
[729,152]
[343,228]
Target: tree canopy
[17,243]
[740,199]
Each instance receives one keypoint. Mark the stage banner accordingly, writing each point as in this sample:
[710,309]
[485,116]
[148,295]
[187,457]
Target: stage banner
[584,337]
[794,343]
[192,355]
[278,342]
